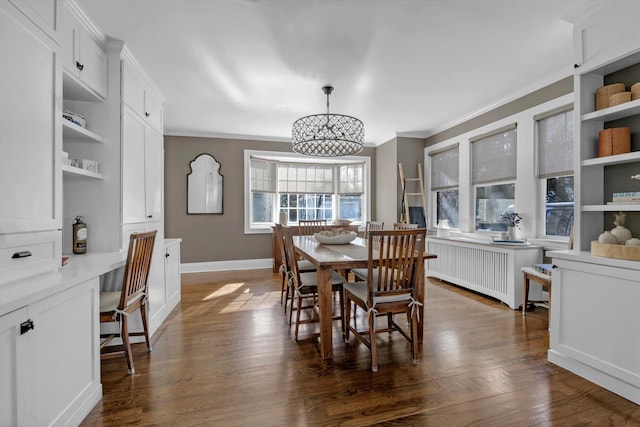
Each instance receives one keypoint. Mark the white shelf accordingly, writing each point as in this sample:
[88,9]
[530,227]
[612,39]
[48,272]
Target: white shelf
[73,131]
[73,171]
[613,160]
[619,111]
[611,208]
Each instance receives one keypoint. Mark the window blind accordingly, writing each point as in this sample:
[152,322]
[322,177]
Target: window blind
[494,156]
[305,179]
[444,169]
[555,145]
[263,175]
[351,179]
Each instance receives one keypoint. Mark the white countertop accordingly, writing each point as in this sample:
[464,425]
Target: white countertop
[80,268]
[586,256]
[465,240]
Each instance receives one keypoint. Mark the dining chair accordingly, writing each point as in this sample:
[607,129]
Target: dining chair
[404,226]
[372,225]
[305,286]
[394,263]
[308,227]
[119,305]
[303,266]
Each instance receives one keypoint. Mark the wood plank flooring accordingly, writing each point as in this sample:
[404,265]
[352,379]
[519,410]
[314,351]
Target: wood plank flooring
[226,357]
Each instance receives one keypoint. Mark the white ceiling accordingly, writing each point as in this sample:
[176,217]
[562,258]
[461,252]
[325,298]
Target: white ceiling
[250,68]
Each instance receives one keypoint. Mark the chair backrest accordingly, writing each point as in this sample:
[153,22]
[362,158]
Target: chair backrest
[280,243]
[398,255]
[293,274]
[372,225]
[403,226]
[310,226]
[138,264]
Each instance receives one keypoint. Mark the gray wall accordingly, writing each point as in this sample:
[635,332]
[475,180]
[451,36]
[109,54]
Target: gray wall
[537,97]
[387,183]
[208,238]
[410,153]
[617,177]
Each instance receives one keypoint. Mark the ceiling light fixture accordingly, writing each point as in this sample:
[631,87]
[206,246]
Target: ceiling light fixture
[327,135]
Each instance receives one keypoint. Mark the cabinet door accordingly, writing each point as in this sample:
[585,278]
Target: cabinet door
[156,288]
[132,89]
[29,179]
[65,351]
[153,110]
[93,60]
[69,29]
[172,273]
[153,165]
[133,168]
[43,13]
[14,386]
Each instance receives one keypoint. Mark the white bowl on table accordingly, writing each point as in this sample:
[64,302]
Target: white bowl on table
[342,221]
[339,239]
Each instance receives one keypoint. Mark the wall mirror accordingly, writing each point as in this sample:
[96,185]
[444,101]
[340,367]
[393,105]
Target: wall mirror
[204,186]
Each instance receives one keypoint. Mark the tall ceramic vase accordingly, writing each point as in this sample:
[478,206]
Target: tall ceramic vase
[511,233]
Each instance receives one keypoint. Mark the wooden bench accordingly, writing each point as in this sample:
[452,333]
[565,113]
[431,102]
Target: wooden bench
[531,274]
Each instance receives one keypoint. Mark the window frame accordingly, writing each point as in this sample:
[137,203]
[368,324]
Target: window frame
[263,228]
[434,190]
[541,181]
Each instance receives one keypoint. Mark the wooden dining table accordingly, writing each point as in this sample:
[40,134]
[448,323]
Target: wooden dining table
[343,258]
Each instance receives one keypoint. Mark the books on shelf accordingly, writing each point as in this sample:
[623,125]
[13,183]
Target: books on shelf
[543,268]
[626,197]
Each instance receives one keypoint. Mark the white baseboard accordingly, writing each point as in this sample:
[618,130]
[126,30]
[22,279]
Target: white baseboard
[242,264]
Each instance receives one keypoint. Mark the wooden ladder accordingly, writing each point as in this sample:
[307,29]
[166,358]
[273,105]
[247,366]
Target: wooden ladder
[405,217]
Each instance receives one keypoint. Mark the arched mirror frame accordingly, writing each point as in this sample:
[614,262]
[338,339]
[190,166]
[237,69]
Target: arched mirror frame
[205,186]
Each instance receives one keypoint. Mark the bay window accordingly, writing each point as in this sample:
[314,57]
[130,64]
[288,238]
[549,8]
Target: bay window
[304,189]
[493,175]
[555,171]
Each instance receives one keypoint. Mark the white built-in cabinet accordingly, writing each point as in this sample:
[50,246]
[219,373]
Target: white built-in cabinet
[84,58]
[594,321]
[30,209]
[48,364]
[53,58]
[142,148]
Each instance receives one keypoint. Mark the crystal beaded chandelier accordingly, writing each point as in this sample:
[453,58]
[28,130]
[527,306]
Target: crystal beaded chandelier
[327,135]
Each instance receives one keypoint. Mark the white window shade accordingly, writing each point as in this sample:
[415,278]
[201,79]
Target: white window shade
[305,179]
[494,157]
[351,179]
[444,169]
[263,175]
[555,145]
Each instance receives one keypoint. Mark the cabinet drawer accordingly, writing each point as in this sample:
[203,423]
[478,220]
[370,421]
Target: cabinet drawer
[28,254]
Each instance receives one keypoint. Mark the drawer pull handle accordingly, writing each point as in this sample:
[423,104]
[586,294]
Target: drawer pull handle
[26,326]
[79,66]
[146,114]
[22,254]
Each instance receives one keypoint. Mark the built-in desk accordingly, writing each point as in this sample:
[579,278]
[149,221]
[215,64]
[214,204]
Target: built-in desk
[50,335]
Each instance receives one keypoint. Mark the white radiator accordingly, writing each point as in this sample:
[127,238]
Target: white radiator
[483,267]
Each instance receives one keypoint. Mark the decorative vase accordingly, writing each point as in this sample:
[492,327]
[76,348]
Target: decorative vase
[621,234]
[283,218]
[607,238]
[512,233]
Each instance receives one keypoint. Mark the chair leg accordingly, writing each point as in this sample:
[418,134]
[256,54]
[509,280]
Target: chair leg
[372,342]
[144,312]
[124,334]
[346,306]
[342,311]
[414,339]
[282,290]
[298,310]
[293,295]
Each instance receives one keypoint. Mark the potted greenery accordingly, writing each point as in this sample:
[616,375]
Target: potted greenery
[512,219]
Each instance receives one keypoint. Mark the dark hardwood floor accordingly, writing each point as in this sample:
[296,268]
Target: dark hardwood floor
[226,357]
